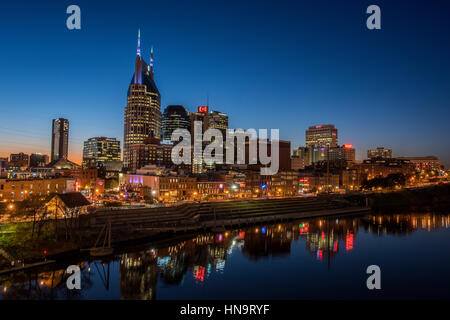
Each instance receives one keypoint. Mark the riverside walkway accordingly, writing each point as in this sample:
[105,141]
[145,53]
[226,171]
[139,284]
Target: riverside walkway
[210,215]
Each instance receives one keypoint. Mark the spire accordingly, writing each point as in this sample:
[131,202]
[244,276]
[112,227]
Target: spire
[151,62]
[139,43]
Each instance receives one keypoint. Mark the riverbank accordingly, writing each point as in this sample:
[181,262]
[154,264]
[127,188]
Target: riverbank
[133,225]
[434,198]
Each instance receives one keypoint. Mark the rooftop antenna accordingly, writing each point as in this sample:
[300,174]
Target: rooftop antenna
[151,62]
[139,43]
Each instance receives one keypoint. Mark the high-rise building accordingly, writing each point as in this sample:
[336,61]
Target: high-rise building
[346,152]
[379,152]
[38,160]
[210,119]
[99,151]
[322,136]
[143,110]
[60,139]
[151,151]
[217,120]
[300,152]
[174,117]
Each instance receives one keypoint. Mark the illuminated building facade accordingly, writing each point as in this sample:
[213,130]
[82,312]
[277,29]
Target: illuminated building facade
[99,151]
[60,139]
[298,163]
[217,120]
[151,151]
[210,120]
[143,111]
[20,189]
[319,182]
[164,188]
[174,117]
[18,160]
[316,153]
[373,168]
[346,152]
[322,135]
[379,152]
[424,163]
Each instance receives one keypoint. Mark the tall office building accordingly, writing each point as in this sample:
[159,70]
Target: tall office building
[209,119]
[99,151]
[60,139]
[217,120]
[143,110]
[174,117]
[322,136]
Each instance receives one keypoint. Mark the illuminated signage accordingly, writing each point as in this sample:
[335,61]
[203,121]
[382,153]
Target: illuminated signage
[203,109]
[348,146]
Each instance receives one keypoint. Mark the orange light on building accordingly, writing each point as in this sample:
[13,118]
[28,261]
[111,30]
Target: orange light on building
[348,146]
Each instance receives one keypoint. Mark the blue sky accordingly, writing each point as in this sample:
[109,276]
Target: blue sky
[267,64]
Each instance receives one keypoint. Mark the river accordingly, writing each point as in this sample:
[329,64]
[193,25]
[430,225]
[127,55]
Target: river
[306,259]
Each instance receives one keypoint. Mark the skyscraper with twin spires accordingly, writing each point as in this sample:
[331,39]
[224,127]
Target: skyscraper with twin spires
[143,110]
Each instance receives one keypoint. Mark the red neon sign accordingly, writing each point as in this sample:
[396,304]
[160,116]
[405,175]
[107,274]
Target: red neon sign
[203,109]
[348,146]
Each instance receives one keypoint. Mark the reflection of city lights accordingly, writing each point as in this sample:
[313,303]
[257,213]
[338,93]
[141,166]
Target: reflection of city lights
[163,261]
[319,254]
[199,273]
[349,241]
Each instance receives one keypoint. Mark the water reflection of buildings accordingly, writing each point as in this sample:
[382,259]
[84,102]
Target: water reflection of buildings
[206,255]
[41,285]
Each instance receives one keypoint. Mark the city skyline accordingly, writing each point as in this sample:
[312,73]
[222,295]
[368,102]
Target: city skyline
[397,115]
